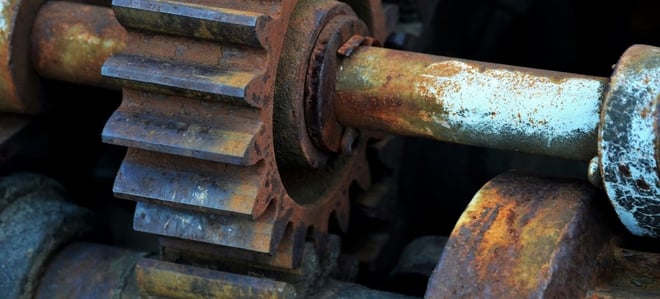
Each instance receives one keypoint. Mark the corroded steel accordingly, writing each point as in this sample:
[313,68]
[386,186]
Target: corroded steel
[293,142]
[524,237]
[197,116]
[19,84]
[467,102]
[308,278]
[322,125]
[628,140]
[87,270]
[70,41]
[169,280]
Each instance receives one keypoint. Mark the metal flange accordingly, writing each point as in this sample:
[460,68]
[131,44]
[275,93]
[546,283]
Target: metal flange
[628,140]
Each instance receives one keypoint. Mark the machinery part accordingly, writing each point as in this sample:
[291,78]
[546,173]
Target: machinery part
[317,265]
[235,67]
[529,237]
[299,141]
[35,221]
[20,84]
[198,124]
[519,109]
[522,237]
[474,103]
[629,147]
[59,40]
[88,270]
[170,280]
[70,41]
[315,278]
[452,100]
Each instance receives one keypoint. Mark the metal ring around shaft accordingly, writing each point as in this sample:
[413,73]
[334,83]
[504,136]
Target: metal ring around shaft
[628,138]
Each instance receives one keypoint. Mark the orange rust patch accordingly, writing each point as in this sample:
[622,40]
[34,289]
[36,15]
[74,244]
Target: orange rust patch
[443,69]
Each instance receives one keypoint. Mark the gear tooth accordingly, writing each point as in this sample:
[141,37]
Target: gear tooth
[209,21]
[190,183]
[295,245]
[342,216]
[222,136]
[184,79]
[235,231]
[362,175]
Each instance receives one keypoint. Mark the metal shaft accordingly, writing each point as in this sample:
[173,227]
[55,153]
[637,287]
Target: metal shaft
[70,42]
[461,101]
[474,103]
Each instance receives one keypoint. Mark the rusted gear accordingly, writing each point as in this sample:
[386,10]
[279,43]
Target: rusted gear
[197,117]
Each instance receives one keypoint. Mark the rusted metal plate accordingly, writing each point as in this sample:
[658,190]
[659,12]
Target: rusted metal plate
[164,279]
[87,270]
[70,41]
[628,140]
[468,102]
[524,237]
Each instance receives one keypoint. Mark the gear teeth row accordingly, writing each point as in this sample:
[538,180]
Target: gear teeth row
[182,79]
[257,235]
[211,22]
[193,184]
[186,127]
[197,114]
[193,116]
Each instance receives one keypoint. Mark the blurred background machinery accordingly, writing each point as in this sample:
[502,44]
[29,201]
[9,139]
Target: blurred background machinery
[253,141]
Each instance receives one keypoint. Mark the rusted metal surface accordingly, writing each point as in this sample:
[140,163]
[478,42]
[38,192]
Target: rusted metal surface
[19,84]
[87,270]
[322,125]
[35,221]
[315,278]
[70,41]
[460,101]
[628,139]
[198,117]
[293,142]
[524,237]
[164,279]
